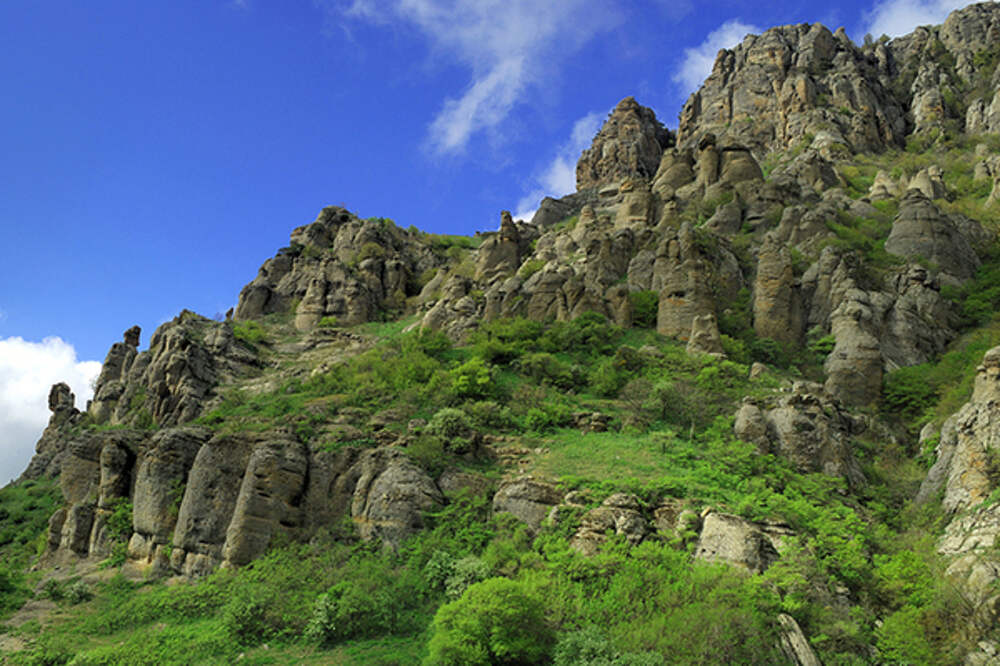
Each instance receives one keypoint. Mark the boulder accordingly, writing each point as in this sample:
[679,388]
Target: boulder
[527,499]
[733,540]
[619,514]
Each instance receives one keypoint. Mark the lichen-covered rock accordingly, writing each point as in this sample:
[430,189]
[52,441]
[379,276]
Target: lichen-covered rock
[339,266]
[733,540]
[52,446]
[807,428]
[620,514]
[628,146]
[527,499]
[922,231]
[777,309]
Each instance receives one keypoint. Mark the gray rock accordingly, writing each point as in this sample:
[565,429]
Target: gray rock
[527,499]
[628,146]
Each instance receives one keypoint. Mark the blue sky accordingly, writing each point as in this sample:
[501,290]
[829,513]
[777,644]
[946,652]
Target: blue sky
[155,153]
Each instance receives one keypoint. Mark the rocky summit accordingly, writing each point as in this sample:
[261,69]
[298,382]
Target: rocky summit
[734,400]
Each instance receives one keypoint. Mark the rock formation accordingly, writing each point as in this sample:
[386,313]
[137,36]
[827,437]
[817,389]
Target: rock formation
[628,146]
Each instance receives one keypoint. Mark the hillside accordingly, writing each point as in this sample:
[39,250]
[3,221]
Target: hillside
[735,400]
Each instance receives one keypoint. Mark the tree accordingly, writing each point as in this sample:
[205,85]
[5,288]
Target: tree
[493,622]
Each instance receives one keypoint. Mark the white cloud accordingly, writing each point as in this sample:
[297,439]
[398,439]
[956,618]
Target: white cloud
[559,177]
[511,47]
[698,61]
[899,17]
[27,372]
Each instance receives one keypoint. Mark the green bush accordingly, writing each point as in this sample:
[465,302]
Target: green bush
[494,622]
[454,428]
[645,307]
[328,322]
[249,332]
[472,380]
[589,647]
[545,368]
[349,610]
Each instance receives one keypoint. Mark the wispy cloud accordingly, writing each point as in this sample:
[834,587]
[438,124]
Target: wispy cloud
[27,372]
[558,178]
[697,62]
[511,48]
[899,17]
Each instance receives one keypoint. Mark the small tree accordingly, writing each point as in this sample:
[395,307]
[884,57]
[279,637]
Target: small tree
[494,622]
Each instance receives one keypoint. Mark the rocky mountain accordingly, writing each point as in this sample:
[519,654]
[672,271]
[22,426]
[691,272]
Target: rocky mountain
[774,300]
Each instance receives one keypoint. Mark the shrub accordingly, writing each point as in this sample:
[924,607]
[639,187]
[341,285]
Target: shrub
[249,332]
[328,322]
[494,622]
[606,377]
[545,368]
[453,427]
[530,267]
[645,307]
[348,610]
[473,379]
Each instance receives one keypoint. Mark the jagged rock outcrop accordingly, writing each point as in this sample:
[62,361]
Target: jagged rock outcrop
[340,266]
[51,447]
[774,89]
[969,445]
[500,254]
[809,429]
[966,472]
[628,146]
[169,383]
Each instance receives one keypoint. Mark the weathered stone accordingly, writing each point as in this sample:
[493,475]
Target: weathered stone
[777,310]
[733,540]
[391,496]
[628,146]
[705,338]
[269,498]
[527,499]
[620,514]
[921,231]
[808,429]
[854,367]
[794,643]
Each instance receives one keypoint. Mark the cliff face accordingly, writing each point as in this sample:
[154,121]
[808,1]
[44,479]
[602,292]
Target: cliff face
[758,219]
